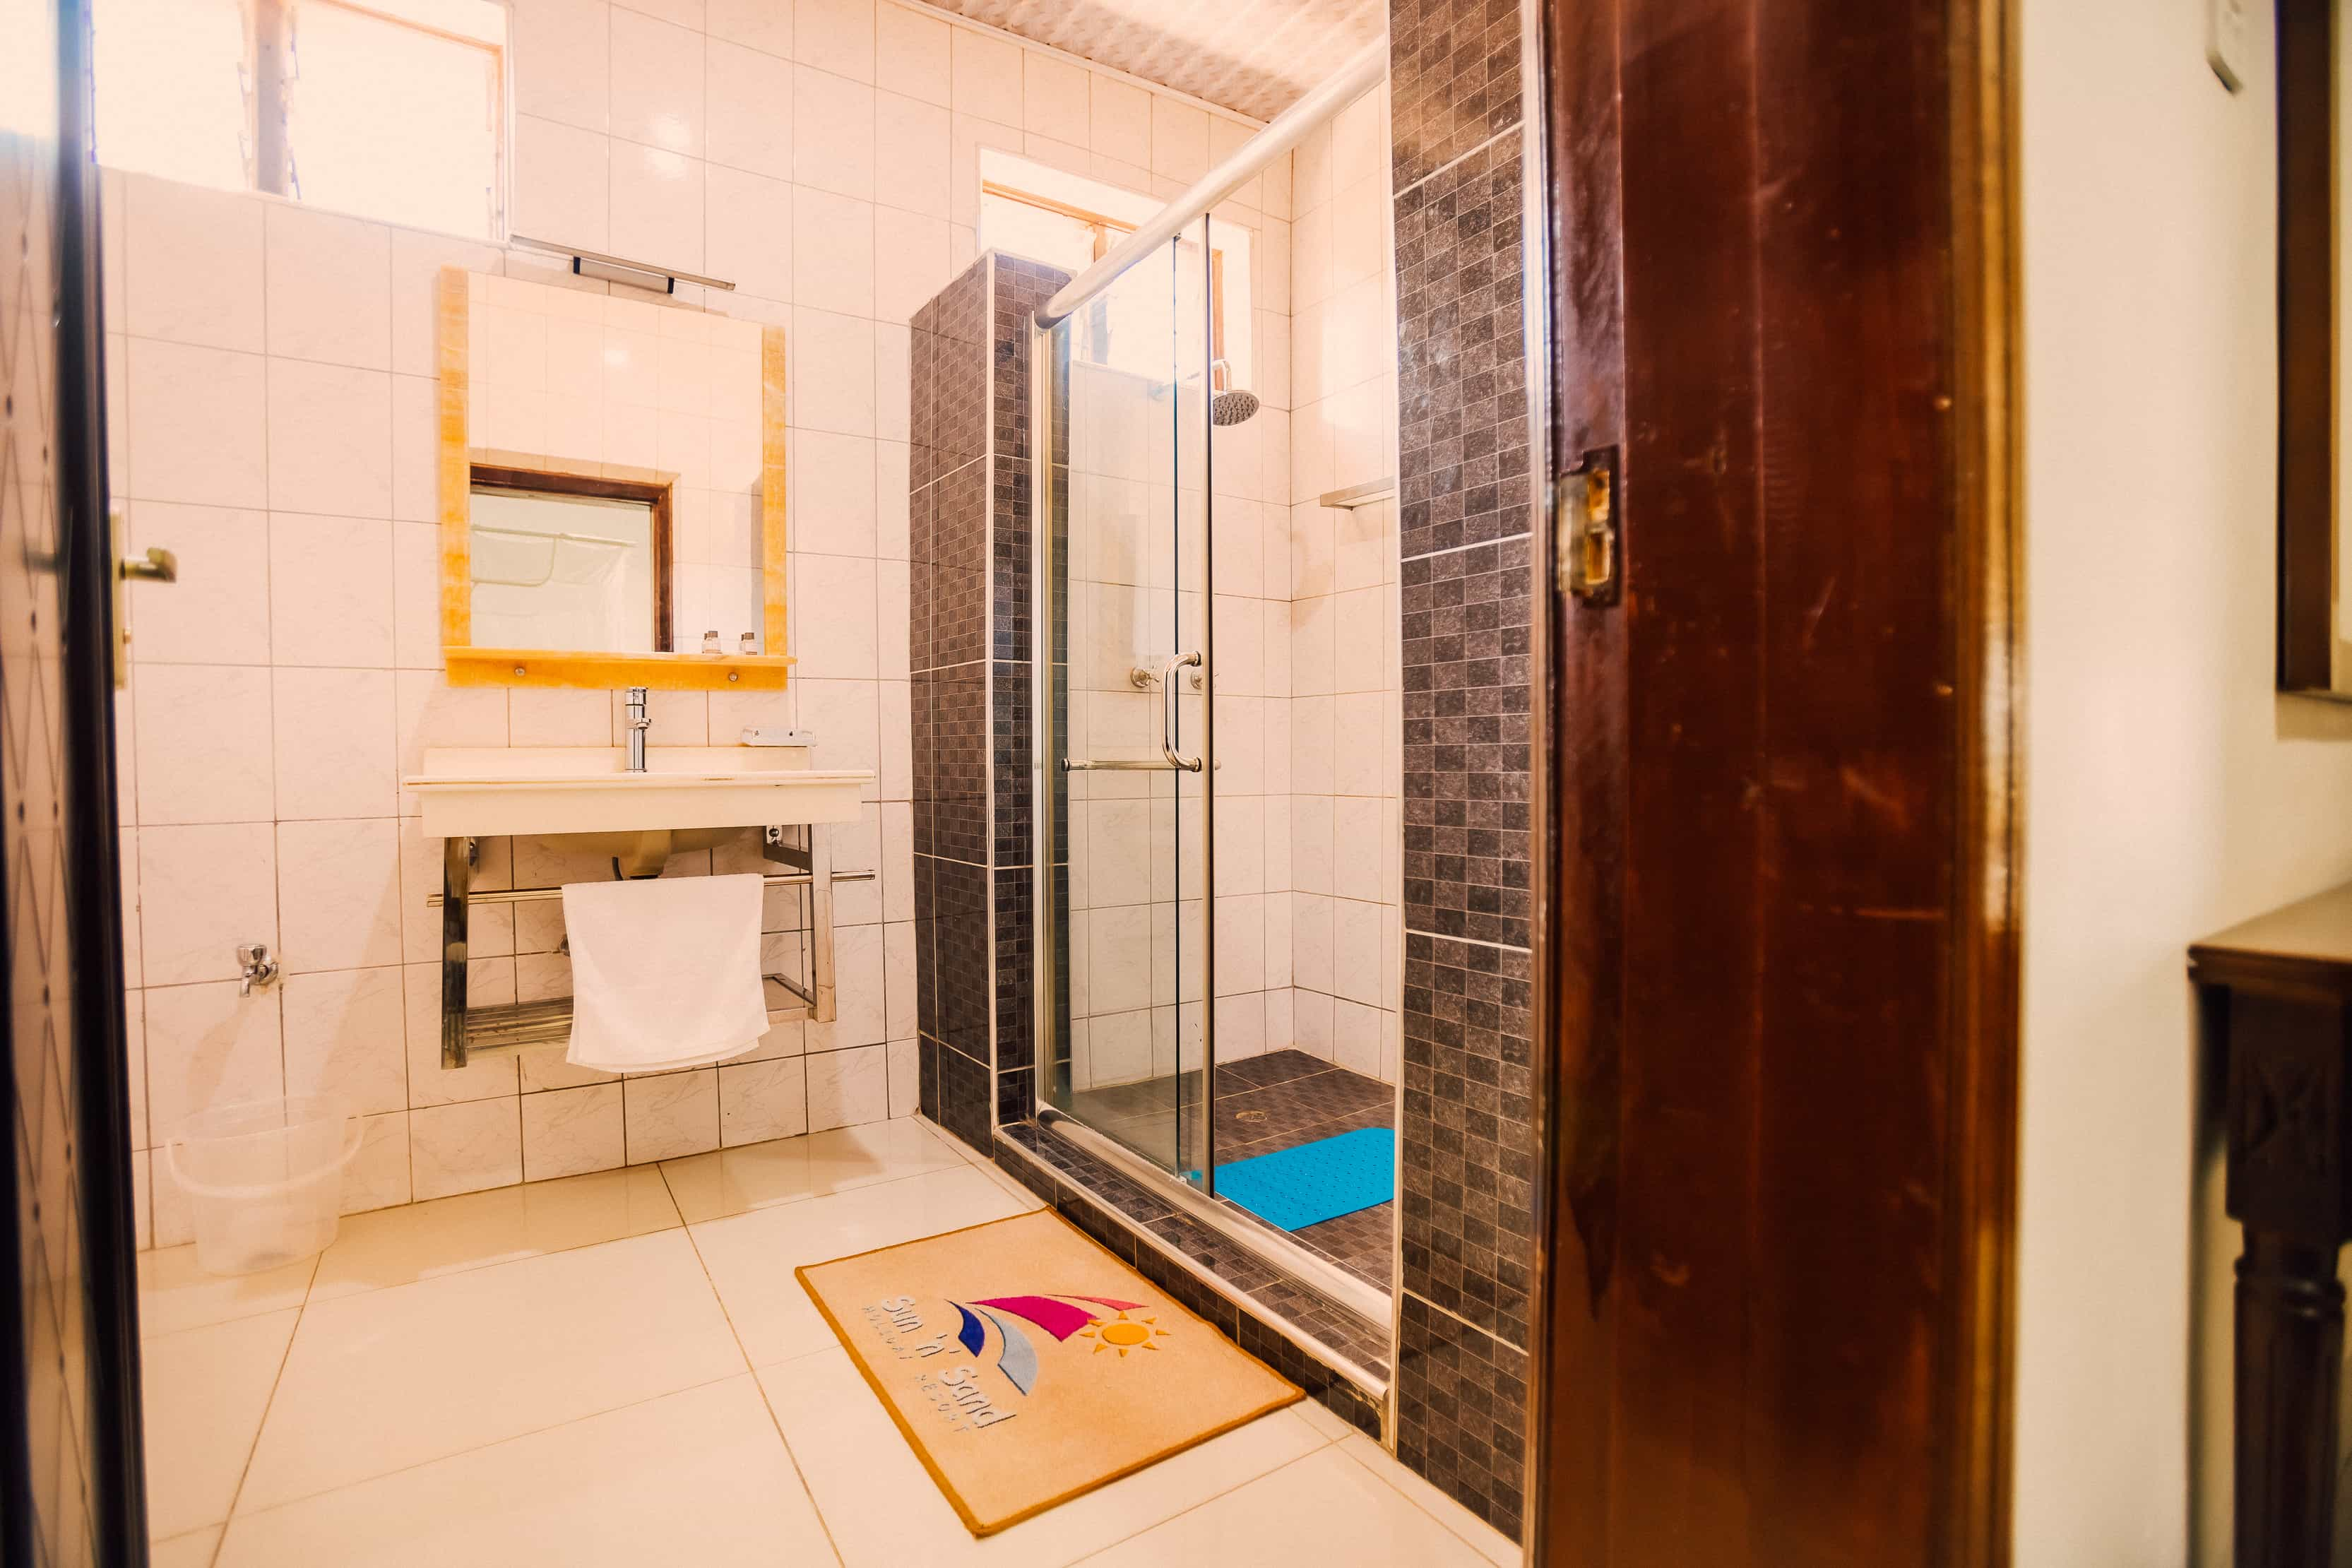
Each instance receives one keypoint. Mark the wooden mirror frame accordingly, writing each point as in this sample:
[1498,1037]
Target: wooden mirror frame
[666,671]
[2307,354]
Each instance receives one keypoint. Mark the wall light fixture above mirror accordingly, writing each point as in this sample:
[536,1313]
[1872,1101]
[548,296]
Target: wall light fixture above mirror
[612,491]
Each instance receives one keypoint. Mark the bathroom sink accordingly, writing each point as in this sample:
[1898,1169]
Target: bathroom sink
[499,791]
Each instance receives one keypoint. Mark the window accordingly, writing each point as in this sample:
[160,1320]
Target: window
[1070,222]
[391,110]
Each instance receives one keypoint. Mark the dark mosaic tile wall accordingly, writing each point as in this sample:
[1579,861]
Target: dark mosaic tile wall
[1465,485]
[1462,1401]
[969,639]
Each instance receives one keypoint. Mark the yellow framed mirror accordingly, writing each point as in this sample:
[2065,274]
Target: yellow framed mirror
[611,492]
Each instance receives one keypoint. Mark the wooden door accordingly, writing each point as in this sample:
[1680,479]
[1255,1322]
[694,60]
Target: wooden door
[1778,857]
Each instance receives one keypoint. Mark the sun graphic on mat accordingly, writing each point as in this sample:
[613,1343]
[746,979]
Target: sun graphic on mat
[1123,1334]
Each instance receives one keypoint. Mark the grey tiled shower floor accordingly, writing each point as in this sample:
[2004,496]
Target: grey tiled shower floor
[1265,1103]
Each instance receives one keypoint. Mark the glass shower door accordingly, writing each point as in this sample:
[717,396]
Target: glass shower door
[1126,703]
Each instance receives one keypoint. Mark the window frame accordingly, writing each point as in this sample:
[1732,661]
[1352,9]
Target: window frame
[502,112]
[1102,224]
[271,39]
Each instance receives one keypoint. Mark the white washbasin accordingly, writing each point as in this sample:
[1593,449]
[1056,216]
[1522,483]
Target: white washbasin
[491,792]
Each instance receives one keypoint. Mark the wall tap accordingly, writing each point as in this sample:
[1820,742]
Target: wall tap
[638,724]
[254,962]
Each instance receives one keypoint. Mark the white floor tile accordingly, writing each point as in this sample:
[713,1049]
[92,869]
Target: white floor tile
[884,1511]
[1323,1509]
[193,1550]
[697,1477]
[1325,1422]
[203,1393]
[980,1162]
[175,1293]
[1492,1544]
[450,1236]
[397,1377]
[787,1170]
[752,1255]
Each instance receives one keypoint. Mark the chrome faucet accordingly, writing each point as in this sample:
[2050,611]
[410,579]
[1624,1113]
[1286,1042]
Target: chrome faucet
[638,724]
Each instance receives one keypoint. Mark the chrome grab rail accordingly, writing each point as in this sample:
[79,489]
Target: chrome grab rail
[1176,759]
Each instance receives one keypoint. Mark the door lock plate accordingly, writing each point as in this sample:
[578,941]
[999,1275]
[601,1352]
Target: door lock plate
[1585,506]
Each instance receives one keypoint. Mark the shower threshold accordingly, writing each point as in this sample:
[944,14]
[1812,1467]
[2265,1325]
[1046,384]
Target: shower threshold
[1266,1104]
[1329,1328]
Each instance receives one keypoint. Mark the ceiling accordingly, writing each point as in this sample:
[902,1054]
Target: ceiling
[1253,55]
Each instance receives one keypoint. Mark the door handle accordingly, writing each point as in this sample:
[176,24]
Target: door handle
[1176,759]
[161,566]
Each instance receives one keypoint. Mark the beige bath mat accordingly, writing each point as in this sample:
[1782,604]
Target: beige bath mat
[1027,1366]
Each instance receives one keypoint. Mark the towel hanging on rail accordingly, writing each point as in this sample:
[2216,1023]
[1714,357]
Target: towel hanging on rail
[665,971]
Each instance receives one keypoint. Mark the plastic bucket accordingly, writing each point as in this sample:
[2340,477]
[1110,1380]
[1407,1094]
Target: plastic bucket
[264,1180]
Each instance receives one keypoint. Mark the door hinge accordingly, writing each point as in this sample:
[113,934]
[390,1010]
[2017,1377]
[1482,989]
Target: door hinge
[1585,505]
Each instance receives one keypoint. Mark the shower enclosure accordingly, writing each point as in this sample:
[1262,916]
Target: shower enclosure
[1144,901]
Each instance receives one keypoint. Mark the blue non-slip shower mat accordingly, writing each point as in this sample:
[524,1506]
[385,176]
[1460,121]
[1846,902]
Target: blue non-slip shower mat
[1310,1183]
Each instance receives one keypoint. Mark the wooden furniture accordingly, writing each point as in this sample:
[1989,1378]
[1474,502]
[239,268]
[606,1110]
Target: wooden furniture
[2277,995]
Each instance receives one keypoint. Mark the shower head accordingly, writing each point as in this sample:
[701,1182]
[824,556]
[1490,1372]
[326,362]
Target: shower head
[1232,405]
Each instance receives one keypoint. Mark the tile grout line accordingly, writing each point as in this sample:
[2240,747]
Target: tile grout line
[1517,128]
[752,1371]
[1480,1332]
[480,1448]
[277,1381]
[1322,1444]
[1466,940]
[1430,1513]
[1459,549]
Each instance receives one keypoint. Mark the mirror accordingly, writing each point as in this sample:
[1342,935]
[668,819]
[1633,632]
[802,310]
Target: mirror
[561,563]
[612,479]
[2315,491]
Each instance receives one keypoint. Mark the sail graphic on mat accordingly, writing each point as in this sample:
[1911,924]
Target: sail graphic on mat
[1056,1315]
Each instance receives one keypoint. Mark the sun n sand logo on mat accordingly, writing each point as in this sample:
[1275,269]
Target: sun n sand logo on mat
[960,1393]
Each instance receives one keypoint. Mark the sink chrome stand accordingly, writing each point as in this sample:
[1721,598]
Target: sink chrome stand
[469,1032]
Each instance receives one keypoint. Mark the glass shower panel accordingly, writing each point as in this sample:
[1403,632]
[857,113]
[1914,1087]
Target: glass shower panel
[1120,939]
[1188,425]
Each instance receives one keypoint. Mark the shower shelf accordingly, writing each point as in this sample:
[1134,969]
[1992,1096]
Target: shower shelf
[1354,496]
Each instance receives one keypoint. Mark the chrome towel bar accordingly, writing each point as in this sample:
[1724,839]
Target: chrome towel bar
[533,895]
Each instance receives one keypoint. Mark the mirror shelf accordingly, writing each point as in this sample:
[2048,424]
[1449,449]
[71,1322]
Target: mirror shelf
[470,666]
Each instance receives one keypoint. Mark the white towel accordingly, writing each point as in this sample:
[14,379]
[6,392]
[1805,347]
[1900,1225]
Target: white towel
[664,973]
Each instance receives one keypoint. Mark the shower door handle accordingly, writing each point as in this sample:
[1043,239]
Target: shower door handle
[1176,759]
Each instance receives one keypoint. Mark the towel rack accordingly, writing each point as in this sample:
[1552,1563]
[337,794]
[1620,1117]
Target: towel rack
[469,1032]
[541,895]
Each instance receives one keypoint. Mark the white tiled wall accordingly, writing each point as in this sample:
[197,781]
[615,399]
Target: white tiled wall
[1345,722]
[290,679]
[270,381]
